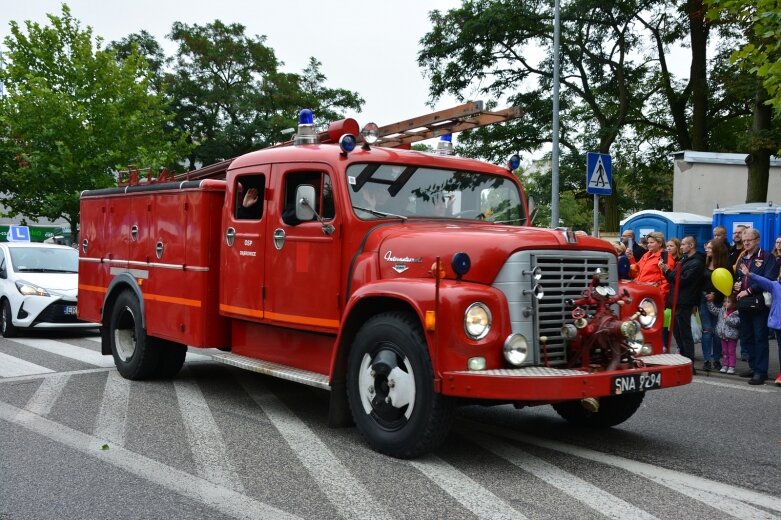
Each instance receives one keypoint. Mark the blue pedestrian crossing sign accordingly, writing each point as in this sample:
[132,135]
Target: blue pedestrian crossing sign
[18,234]
[599,174]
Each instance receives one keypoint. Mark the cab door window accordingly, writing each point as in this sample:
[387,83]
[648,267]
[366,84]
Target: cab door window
[248,201]
[324,195]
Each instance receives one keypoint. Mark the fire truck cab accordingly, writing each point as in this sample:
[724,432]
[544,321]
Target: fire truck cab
[403,282]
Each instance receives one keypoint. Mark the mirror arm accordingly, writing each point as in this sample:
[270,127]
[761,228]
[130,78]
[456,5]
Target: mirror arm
[328,229]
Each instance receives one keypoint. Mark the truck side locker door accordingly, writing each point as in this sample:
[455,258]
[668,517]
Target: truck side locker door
[303,274]
[242,244]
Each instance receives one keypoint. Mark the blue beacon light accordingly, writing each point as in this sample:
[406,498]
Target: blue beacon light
[445,145]
[306,129]
[461,263]
[305,117]
[347,143]
[513,162]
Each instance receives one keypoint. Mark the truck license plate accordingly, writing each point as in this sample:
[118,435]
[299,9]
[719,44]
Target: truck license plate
[70,310]
[636,383]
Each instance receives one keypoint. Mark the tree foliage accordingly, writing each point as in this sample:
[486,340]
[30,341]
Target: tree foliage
[761,51]
[230,96]
[73,113]
[617,89]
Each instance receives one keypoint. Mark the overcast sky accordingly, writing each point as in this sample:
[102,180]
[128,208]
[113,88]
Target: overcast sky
[367,47]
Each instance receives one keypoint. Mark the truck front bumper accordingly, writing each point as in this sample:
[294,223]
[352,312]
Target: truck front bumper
[546,385]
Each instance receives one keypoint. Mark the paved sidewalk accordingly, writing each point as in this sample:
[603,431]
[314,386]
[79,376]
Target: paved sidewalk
[742,366]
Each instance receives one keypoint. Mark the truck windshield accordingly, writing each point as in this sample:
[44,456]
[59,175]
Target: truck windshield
[398,191]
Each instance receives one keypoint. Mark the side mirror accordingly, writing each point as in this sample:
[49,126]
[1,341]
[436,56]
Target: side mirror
[3,273]
[532,210]
[305,202]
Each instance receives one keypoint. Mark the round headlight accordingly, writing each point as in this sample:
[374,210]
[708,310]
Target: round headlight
[516,349]
[477,321]
[648,306]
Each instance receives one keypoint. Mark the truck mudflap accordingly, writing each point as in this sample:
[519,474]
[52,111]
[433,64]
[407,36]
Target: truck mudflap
[548,384]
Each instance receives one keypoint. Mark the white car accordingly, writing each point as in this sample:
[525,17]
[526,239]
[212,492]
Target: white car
[38,287]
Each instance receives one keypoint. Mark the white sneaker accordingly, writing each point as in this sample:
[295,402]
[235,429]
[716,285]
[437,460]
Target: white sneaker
[723,370]
[731,370]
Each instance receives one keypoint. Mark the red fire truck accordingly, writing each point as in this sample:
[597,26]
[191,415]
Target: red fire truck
[403,282]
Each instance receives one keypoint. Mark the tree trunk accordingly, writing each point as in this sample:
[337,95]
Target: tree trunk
[699,75]
[758,160]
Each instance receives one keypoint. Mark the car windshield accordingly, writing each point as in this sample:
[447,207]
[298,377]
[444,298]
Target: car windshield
[398,191]
[44,260]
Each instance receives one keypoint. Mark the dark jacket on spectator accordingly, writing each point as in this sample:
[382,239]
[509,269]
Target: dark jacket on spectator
[689,281]
[761,263]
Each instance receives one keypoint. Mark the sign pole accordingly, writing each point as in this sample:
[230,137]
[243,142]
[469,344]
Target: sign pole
[596,216]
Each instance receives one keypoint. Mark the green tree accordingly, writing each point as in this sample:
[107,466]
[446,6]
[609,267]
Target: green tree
[230,96]
[616,81]
[759,54]
[71,116]
[485,45]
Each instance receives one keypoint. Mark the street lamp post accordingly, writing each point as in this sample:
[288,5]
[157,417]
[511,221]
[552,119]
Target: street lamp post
[554,205]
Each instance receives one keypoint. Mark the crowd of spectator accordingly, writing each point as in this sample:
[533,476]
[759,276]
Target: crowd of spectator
[744,313]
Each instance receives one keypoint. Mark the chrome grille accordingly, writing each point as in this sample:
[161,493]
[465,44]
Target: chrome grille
[564,278]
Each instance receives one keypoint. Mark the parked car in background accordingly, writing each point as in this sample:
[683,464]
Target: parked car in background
[38,287]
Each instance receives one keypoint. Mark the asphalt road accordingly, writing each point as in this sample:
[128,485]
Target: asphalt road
[78,441]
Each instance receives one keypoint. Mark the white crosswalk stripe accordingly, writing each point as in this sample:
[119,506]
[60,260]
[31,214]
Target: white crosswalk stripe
[112,416]
[217,483]
[347,494]
[67,350]
[204,436]
[599,500]
[11,366]
[690,485]
[224,500]
[469,493]
[44,398]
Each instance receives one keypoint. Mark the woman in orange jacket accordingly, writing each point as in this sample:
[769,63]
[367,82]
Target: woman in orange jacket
[648,266]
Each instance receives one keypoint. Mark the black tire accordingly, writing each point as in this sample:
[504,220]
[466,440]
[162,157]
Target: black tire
[7,327]
[135,357]
[172,356]
[385,342]
[613,410]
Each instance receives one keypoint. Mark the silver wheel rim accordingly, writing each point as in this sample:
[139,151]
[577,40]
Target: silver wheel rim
[125,338]
[402,386]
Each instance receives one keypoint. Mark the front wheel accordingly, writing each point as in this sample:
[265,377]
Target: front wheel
[390,388]
[7,326]
[613,410]
[135,357]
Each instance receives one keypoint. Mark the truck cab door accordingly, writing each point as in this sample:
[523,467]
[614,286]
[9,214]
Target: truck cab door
[242,243]
[304,258]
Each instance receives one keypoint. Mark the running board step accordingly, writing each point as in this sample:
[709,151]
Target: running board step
[274,369]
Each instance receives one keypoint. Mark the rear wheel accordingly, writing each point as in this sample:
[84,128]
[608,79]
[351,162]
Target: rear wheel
[613,410]
[172,356]
[135,357]
[7,326]
[390,388]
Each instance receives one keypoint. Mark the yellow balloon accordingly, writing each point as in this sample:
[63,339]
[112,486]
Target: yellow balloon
[722,280]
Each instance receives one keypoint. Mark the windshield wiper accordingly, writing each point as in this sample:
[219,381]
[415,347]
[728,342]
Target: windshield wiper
[380,213]
[43,270]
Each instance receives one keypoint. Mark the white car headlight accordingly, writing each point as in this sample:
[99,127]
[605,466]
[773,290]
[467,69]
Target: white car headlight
[28,289]
[648,306]
[477,320]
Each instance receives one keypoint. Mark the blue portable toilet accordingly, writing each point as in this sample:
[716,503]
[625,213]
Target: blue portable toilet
[670,224]
[762,216]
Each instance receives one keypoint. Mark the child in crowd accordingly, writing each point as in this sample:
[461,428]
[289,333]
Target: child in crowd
[728,329]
